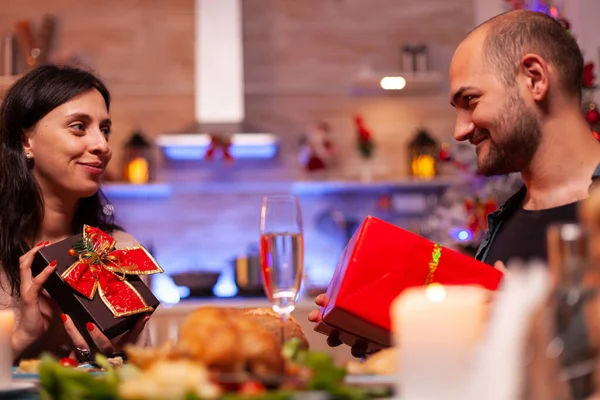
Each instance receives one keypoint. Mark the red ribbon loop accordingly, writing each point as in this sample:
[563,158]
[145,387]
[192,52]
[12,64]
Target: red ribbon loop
[102,268]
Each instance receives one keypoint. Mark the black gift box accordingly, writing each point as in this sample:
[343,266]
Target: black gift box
[81,309]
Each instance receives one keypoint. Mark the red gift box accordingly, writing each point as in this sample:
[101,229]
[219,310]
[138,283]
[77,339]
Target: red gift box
[380,261]
[96,282]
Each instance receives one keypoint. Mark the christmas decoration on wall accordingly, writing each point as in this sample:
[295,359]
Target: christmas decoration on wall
[366,149]
[478,209]
[423,153]
[553,8]
[219,144]
[590,108]
[366,145]
[446,156]
[316,148]
[139,160]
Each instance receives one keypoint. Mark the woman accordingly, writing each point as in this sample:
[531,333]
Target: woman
[54,129]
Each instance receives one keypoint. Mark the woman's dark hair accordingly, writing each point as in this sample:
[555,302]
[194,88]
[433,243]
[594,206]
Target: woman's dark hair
[21,202]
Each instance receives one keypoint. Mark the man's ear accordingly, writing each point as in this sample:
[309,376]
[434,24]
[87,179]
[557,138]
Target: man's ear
[533,69]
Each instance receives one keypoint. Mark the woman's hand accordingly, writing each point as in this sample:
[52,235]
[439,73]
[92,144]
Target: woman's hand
[35,314]
[103,344]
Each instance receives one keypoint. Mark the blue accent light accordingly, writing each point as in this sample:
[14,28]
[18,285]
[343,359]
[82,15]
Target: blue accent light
[225,286]
[179,152]
[461,235]
[127,190]
[165,289]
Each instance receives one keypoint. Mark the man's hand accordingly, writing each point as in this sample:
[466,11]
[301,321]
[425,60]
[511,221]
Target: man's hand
[499,265]
[315,315]
[358,349]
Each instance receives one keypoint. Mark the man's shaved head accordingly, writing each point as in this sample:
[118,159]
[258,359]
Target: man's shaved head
[509,36]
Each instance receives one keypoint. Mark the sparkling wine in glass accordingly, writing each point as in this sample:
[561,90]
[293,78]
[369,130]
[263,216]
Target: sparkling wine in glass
[281,253]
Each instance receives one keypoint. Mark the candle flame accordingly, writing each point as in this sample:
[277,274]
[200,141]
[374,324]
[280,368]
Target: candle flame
[435,292]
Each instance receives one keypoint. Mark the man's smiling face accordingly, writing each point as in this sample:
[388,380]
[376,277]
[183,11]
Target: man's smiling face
[490,115]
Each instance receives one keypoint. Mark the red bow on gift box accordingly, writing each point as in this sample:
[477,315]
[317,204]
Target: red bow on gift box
[218,142]
[103,269]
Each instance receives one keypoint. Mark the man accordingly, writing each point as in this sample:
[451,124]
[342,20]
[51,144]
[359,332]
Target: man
[521,108]
[515,82]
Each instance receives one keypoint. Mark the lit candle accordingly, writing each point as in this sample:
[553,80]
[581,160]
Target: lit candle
[436,329]
[7,319]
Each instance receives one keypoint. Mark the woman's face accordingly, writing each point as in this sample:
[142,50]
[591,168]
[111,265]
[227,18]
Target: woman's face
[70,147]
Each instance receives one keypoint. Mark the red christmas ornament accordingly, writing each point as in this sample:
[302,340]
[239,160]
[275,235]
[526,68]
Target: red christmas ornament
[72,252]
[589,79]
[592,116]
[596,136]
[565,23]
[444,154]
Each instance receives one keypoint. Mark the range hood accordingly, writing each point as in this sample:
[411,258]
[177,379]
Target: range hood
[218,88]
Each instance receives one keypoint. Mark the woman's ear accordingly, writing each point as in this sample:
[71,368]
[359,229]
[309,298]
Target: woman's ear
[27,143]
[533,69]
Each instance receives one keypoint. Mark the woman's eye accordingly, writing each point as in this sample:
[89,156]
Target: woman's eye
[78,126]
[106,131]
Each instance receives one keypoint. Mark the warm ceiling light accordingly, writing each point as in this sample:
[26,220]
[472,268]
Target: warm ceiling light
[393,83]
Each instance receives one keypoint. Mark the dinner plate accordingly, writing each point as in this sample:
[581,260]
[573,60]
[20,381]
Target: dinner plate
[371,380]
[35,376]
[16,387]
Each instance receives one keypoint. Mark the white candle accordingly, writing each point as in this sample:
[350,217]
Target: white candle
[436,330]
[7,319]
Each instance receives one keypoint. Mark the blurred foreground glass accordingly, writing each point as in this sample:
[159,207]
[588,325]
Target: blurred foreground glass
[281,253]
[566,335]
[7,320]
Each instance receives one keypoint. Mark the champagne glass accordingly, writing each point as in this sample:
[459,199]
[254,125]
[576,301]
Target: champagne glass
[281,253]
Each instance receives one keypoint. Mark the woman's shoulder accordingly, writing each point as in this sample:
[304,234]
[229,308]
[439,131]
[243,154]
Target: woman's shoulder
[124,239]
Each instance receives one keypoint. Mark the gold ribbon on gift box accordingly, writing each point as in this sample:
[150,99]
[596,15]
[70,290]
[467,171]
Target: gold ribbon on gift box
[436,254]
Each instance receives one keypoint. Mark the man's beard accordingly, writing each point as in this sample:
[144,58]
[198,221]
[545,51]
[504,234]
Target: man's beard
[517,138]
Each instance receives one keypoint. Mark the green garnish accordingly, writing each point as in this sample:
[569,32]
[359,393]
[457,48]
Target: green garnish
[58,382]
[65,383]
